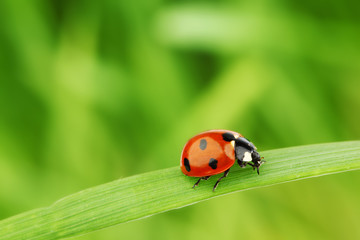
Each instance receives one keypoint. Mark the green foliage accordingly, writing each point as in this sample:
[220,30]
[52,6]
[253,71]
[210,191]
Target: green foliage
[151,193]
[93,91]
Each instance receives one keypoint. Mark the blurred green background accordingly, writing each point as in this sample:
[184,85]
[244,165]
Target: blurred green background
[92,91]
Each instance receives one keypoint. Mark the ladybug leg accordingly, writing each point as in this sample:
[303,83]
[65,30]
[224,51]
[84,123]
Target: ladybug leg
[253,166]
[217,182]
[198,181]
[242,164]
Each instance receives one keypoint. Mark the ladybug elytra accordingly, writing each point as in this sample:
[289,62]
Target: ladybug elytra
[215,151]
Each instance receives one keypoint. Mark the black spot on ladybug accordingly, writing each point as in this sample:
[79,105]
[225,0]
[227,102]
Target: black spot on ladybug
[228,136]
[203,144]
[187,164]
[213,163]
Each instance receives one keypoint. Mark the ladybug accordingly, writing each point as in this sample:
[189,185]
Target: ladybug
[215,151]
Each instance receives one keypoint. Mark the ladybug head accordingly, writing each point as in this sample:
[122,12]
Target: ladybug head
[245,153]
[257,160]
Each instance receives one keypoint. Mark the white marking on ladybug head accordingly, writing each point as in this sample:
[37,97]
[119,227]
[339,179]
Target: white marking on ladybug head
[236,136]
[232,143]
[247,157]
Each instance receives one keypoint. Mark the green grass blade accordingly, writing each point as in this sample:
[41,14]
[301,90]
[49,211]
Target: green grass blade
[154,192]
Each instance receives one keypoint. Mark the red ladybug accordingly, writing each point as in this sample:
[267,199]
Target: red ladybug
[215,151]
